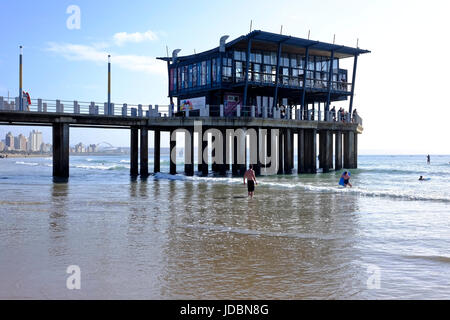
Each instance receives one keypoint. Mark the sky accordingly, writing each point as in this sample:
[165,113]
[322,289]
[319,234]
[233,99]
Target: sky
[400,86]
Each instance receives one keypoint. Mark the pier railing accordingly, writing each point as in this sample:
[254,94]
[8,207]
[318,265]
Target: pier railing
[168,111]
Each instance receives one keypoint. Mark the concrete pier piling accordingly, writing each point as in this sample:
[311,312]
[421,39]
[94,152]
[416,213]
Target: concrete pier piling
[280,158]
[310,150]
[349,150]
[173,155]
[326,150]
[338,150]
[134,153]
[157,151]
[189,152]
[301,151]
[60,152]
[144,152]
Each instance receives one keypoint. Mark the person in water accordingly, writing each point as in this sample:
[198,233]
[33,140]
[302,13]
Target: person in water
[346,178]
[421,178]
[251,181]
[428,159]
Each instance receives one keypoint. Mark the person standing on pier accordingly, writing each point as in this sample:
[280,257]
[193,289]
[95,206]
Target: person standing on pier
[251,181]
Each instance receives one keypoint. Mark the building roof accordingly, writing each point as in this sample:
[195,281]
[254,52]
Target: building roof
[266,40]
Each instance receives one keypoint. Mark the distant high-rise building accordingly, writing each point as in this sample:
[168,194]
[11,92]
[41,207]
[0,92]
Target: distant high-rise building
[46,147]
[79,148]
[21,143]
[35,141]
[9,141]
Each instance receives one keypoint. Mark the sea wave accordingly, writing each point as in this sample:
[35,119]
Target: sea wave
[27,163]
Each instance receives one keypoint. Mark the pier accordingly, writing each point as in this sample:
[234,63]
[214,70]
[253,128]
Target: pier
[254,93]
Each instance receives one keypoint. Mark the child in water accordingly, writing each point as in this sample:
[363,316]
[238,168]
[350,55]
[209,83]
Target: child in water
[346,178]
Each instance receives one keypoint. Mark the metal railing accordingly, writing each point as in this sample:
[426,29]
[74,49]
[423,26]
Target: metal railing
[87,108]
[167,111]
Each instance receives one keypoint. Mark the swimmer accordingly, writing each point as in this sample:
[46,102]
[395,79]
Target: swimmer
[421,178]
[346,178]
[251,181]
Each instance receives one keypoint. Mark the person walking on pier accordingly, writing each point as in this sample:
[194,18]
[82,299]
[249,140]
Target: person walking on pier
[251,181]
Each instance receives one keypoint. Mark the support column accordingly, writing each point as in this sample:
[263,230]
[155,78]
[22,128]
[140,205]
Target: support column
[325,156]
[134,154]
[173,154]
[301,151]
[280,152]
[224,166]
[288,145]
[349,145]
[214,165]
[310,151]
[203,149]
[144,152]
[60,152]
[258,155]
[157,151]
[243,148]
[235,165]
[338,150]
[189,152]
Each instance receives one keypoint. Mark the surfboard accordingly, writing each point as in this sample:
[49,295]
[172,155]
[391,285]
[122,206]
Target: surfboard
[341,181]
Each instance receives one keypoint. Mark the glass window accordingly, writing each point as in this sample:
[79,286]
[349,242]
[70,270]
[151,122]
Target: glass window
[311,63]
[194,75]
[267,72]
[258,57]
[239,71]
[190,76]
[273,58]
[256,72]
[208,72]
[266,57]
[284,60]
[214,71]
[203,73]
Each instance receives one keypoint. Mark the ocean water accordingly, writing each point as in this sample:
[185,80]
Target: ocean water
[177,237]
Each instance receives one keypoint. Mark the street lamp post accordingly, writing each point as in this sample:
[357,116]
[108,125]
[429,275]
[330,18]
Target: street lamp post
[109,85]
[20,80]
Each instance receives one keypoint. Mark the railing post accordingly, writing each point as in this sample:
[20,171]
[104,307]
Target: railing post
[17,105]
[1,103]
[264,112]
[157,111]
[92,108]
[252,111]
[124,110]
[39,105]
[111,113]
[150,111]
[76,107]
[133,112]
[171,106]
[319,114]
[238,111]
[58,106]
[44,107]
[105,109]
[140,111]
[222,111]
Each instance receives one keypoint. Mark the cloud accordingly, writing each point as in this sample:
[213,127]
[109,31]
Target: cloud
[121,38]
[78,52]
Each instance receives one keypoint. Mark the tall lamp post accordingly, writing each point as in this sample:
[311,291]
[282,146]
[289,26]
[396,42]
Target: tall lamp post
[20,80]
[109,85]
